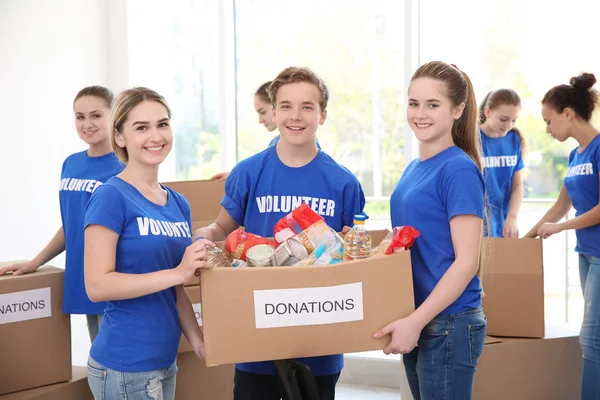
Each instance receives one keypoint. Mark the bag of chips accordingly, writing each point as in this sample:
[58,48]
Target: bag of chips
[295,222]
[400,239]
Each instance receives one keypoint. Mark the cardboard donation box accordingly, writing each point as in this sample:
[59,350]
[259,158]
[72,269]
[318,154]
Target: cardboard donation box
[270,313]
[204,197]
[513,284]
[205,202]
[196,381]
[524,369]
[75,389]
[35,349]
[193,293]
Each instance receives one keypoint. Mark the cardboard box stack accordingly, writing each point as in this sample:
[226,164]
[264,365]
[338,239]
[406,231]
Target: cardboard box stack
[36,339]
[75,389]
[523,358]
[195,381]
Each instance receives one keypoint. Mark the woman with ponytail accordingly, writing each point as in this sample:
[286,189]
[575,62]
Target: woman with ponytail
[441,194]
[567,111]
[503,147]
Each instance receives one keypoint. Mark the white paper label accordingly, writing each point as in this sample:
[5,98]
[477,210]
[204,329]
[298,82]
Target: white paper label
[198,312]
[26,305]
[308,306]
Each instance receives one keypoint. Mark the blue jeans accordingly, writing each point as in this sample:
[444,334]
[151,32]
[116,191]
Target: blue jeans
[442,366]
[589,337]
[108,384]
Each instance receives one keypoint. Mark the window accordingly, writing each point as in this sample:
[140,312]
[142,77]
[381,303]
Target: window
[529,48]
[357,47]
[173,50]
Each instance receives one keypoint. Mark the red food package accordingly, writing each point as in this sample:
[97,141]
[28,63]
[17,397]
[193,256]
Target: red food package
[404,237]
[295,222]
[239,241]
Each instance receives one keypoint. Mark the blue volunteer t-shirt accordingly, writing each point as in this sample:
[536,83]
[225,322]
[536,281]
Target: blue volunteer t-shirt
[80,177]
[582,184]
[261,190]
[275,140]
[140,334]
[502,158]
[429,194]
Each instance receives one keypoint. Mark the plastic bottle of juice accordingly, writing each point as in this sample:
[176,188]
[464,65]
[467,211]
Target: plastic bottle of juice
[357,242]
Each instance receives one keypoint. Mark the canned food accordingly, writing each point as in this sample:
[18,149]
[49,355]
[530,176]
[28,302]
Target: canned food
[261,255]
[290,252]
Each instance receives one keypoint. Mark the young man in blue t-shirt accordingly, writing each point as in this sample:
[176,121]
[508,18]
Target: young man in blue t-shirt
[265,187]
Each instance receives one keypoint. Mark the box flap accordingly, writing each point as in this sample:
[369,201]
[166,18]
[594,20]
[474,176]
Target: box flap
[513,257]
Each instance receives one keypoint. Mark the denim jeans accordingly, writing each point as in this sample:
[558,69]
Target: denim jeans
[442,366]
[108,384]
[589,337]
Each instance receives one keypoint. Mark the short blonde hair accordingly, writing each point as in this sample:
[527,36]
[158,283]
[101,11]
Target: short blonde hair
[124,103]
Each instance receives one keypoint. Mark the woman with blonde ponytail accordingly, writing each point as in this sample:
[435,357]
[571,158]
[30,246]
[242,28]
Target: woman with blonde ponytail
[441,194]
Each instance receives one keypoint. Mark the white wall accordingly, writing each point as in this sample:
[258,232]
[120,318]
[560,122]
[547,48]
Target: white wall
[49,50]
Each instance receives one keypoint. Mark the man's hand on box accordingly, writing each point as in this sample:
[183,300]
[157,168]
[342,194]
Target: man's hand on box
[20,268]
[405,335]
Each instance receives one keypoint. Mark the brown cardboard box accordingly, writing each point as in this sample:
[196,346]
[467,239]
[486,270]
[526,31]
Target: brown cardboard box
[256,314]
[205,201]
[195,381]
[526,369]
[204,197]
[193,292]
[75,389]
[513,283]
[35,349]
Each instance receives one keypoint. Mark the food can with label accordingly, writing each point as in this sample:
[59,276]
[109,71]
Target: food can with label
[290,252]
[261,255]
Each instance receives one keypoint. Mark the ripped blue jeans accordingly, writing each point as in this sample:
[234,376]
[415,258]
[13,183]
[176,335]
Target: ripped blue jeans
[108,384]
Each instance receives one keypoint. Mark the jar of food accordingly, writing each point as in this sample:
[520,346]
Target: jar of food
[216,258]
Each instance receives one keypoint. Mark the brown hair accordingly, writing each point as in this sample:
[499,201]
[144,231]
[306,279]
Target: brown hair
[495,99]
[97,91]
[124,103]
[459,90]
[263,92]
[464,130]
[299,74]
[578,95]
